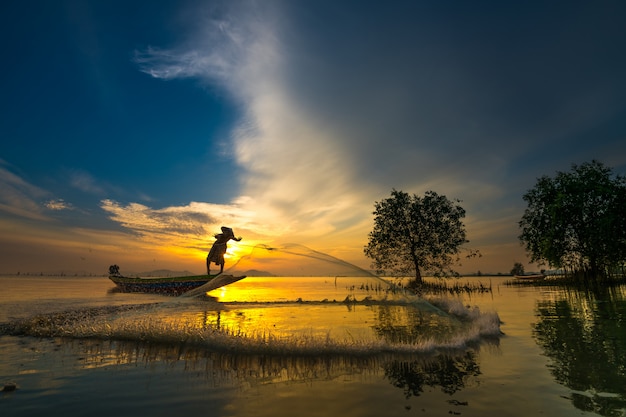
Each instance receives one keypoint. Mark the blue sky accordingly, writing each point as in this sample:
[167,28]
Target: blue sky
[132,130]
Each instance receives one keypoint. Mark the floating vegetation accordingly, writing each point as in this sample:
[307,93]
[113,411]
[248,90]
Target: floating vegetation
[444,286]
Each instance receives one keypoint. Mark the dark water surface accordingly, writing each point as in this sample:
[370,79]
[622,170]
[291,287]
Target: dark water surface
[300,346]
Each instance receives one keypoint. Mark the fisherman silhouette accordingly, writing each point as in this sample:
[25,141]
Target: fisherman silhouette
[216,254]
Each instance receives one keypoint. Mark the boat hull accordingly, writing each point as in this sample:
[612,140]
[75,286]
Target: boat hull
[537,277]
[169,285]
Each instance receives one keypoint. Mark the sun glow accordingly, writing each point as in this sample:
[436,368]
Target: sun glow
[237,250]
[234,251]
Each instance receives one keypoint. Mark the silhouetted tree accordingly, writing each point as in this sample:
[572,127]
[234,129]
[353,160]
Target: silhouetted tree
[518,269]
[413,234]
[575,220]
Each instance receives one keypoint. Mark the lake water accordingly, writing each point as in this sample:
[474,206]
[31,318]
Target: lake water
[309,346]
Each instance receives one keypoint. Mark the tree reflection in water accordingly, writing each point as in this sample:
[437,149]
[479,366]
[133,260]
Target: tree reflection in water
[584,333]
[398,324]
[451,373]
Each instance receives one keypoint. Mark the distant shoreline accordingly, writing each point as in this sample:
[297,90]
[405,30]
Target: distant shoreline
[166,273]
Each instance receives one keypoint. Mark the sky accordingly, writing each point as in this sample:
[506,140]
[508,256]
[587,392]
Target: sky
[131,131]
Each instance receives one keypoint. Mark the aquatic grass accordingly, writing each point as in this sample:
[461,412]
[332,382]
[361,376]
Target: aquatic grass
[62,323]
[441,286]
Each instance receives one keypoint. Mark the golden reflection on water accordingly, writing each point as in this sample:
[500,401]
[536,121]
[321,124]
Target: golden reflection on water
[303,289]
[273,313]
[345,323]
[152,343]
[342,308]
[339,322]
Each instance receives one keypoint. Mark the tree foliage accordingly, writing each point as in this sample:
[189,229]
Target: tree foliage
[576,221]
[518,269]
[413,234]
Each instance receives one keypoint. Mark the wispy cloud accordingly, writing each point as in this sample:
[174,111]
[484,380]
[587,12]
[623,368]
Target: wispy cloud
[297,178]
[19,197]
[85,182]
[171,220]
[222,43]
[58,204]
[195,220]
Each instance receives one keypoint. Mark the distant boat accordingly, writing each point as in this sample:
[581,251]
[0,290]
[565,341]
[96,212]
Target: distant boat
[535,277]
[169,285]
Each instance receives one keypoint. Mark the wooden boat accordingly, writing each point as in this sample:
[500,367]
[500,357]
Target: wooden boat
[169,285]
[535,277]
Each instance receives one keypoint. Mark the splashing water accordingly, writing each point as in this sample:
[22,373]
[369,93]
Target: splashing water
[349,310]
